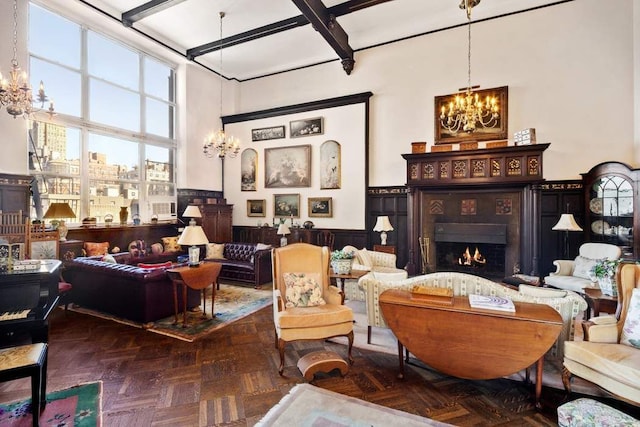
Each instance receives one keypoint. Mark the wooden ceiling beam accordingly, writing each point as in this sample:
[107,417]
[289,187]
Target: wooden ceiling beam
[325,23]
[147,9]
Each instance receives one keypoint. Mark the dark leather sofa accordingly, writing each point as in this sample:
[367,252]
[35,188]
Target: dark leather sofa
[244,262]
[124,289]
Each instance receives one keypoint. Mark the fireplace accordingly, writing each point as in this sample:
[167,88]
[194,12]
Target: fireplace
[472,248]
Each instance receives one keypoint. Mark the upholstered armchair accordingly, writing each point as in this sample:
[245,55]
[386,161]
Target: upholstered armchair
[609,355]
[568,304]
[305,305]
[574,275]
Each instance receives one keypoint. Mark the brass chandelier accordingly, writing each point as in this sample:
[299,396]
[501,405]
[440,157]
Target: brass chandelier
[219,143]
[466,110]
[15,93]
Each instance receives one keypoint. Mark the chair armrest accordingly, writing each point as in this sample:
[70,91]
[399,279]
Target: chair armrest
[564,267]
[601,329]
[382,259]
[278,302]
[334,296]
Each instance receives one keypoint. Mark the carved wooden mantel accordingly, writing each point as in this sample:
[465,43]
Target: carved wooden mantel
[518,167]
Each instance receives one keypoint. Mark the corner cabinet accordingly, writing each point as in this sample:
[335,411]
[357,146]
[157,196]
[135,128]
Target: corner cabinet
[217,222]
[612,214]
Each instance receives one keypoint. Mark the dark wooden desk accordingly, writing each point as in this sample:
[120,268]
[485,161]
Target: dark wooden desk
[599,302]
[197,278]
[353,274]
[471,343]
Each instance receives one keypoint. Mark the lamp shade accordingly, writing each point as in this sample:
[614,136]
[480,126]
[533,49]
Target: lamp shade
[383,224]
[283,229]
[59,211]
[566,223]
[193,235]
[192,212]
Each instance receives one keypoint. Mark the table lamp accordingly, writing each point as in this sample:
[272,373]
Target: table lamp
[566,223]
[383,225]
[193,235]
[56,212]
[192,212]
[283,230]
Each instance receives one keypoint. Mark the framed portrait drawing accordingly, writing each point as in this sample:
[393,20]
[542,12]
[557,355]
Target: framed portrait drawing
[306,127]
[450,133]
[320,207]
[287,167]
[286,205]
[248,169]
[264,134]
[256,207]
[43,249]
[330,167]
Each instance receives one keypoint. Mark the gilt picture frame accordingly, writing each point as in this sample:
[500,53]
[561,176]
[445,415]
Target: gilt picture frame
[286,205]
[320,207]
[248,169]
[257,207]
[442,135]
[330,165]
[287,167]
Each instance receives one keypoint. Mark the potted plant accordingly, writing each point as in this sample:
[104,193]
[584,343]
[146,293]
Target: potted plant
[341,261]
[603,271]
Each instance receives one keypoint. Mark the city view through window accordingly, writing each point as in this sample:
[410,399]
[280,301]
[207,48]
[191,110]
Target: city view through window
[112,142]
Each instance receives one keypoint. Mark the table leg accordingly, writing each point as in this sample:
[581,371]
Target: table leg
[539,367]
[342,284]
[184,305]
[175,302]
[401,359]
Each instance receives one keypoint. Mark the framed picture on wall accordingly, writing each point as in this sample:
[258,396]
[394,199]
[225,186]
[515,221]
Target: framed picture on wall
[286,205]
[248,169]
[320,207]
[256,207]
[330,168]
[287,167]
[306,127]
[446,133]
[264,134]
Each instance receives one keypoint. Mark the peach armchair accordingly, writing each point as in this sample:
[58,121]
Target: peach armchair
[300,277]
[606,357]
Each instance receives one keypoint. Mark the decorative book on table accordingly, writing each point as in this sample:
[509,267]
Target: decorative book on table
[491,302]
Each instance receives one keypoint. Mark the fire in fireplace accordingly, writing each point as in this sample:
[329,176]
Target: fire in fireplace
[476,260]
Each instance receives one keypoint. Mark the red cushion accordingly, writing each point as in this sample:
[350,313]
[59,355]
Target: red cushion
[167,264]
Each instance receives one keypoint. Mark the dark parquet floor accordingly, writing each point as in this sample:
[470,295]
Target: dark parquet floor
[231,378]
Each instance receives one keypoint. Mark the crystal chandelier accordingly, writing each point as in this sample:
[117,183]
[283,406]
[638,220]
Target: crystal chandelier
[15,93]
[219,143]
[467,110]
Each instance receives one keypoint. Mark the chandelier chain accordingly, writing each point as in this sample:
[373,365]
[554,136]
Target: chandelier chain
[469,52]
[14,61]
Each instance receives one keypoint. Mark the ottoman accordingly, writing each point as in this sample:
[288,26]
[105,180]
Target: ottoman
[588,412]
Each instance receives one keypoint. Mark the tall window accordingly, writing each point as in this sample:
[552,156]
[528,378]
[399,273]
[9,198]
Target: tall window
[112,142]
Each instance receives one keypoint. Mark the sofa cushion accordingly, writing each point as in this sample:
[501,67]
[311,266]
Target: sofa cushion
[215,250]
[157,248]
[582,267]
[137,249]
[539,292]
[631,329]
[94,248]
[303,289]
[167,264]
[364,258]
[109,258]
[171,244]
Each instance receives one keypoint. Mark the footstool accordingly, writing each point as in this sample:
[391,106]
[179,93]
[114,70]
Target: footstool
[588,412]
[321,361]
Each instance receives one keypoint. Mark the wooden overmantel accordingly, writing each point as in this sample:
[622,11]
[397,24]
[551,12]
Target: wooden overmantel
[517,167]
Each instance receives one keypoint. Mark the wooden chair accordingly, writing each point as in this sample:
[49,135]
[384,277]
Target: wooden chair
[326,238]
[13,226]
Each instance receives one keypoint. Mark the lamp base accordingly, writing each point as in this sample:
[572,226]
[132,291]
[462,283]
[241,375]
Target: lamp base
[383,238]
[194,256]
[63,230]
[283,241]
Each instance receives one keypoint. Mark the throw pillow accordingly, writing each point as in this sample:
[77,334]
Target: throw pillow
[167,264]
[137,249]
[94,248]
[303,289]
[109,258]
[171,244]
[582,267]
[215,250]
[631,329]
[262,246]
[365,258]
[157,248]
[539,292]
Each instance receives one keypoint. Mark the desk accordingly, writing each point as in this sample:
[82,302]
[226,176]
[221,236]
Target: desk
[598,301]
[197,278]
[471,343]
[353,274]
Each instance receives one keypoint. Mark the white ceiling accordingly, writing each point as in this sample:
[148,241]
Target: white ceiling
[191,23]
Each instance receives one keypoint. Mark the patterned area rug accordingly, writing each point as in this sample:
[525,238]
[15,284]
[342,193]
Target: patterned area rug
[231,303]
[307,405]
[79,406]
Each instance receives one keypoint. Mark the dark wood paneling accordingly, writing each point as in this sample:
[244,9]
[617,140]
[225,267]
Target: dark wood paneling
[268,236]
[15,191]
[392,202]
[121,236]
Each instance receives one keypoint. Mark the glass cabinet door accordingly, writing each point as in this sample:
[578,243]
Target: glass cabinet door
[611,212]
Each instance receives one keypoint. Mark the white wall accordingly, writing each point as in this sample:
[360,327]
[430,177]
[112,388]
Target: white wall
[569,69]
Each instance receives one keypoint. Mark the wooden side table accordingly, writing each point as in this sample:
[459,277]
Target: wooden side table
[353,274]
[197,278]
[385,248]
[597,302]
